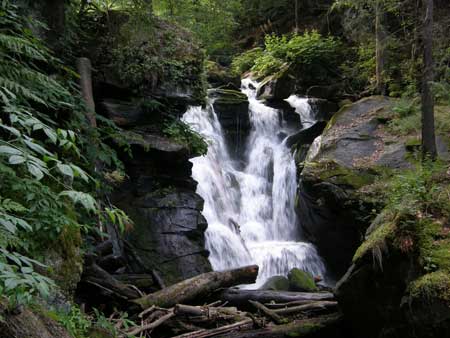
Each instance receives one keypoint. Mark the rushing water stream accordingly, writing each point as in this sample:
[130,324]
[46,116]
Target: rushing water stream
[250,211]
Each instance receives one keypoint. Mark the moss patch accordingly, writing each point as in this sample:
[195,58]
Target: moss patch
[331,171]
[435,285]
[300,280]
[376,240]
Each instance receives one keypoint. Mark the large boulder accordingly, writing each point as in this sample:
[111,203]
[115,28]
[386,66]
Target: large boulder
[386,293]
[332,212]
[159,196]
[302,281]
[277,87]
[30,324]
[231,107]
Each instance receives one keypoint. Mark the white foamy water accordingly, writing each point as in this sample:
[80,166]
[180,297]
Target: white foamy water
[302,108]
[251,211]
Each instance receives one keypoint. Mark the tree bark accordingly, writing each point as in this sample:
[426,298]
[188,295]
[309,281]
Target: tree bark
[296,17]
[428,130]
[380,37]
[199,286]
[54,12]
[237,297]
[84,68]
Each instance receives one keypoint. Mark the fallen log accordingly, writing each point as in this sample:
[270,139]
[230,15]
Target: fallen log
[324,326]
[198,287]
[95,275]
[317,306]
[269,313]
[141,281]
[238,297]
[246,323]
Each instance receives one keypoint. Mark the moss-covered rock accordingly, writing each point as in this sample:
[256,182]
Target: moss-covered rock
[399,283]
[300,280]
[30,324]
[276,283]
[354,150]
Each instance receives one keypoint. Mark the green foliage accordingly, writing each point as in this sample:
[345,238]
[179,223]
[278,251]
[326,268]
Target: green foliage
[244,62]
[45,172]
[312,55]
[82,325]
[212,21]
[185,135]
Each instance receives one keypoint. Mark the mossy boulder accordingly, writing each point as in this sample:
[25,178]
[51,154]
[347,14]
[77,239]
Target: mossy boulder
[388,291]
[276,283]
[354,149]
[30,324]
[300,280]
[144,56]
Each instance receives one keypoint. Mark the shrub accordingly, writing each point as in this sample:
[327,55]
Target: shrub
[245,61]
[313,56]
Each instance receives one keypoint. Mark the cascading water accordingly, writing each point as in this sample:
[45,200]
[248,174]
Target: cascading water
[250,211]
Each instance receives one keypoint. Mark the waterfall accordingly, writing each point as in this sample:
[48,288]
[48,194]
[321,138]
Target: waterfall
[251,211]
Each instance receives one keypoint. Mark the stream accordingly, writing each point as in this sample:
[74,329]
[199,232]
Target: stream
[250,208]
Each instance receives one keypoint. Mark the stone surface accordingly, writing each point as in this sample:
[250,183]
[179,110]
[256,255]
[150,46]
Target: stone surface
[276,283]
[29,324]
[301,281]
[276,87]
[231,107]
[159,195]
[353,146]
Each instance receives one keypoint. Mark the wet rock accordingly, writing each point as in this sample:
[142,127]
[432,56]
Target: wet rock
[308,135]
[159,196]
[276,283]
[276,87]
[354,144]
[301,281]
[231,107]
[124,113]
[324,92]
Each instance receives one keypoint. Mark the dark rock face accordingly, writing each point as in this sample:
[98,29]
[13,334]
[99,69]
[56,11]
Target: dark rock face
[159,196]
[276,87]
[324,92]
[307,135]
[30,325]
[231,107]
[331,212]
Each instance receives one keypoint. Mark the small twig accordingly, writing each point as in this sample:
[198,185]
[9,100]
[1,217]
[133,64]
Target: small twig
[143,313]
[150,326]
[269,313]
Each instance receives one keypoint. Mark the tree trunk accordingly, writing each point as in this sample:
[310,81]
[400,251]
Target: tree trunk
[54,12]
[85,70]
[296,17]
[198,287]
[240,298]
[428,131]
[380,37]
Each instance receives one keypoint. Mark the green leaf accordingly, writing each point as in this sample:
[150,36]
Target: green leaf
[65,169]
[16,159]
[35,171]
[86,200]
[9,150]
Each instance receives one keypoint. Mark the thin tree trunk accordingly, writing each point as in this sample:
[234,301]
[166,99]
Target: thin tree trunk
[54,12]
[428,131]
[296,17]
[84,68]
[380,37]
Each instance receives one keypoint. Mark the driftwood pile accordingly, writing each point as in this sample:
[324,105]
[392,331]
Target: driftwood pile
[208,306]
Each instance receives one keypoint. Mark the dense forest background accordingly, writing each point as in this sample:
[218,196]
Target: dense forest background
[61,156]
